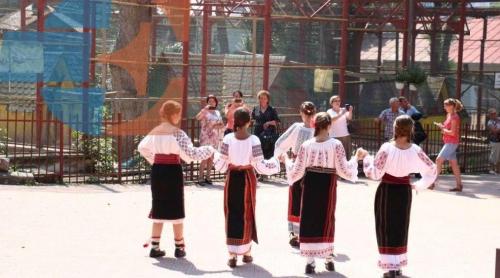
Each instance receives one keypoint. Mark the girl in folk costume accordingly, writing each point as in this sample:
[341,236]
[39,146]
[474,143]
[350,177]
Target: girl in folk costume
[319,161]
[164,147]
[293,138]
[241,155]
[393,197]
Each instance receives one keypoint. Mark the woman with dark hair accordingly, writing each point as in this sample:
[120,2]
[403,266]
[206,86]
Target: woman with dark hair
[319,161]
[211,125]
[292,139]
[450,129]
[394,194]
[266,122]
[241,156]
[164,147]
[236,103]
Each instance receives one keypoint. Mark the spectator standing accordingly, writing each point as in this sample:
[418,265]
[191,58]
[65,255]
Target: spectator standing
[266,123]
[388,116]
[236,103]
[340,117]
[210,135]
[406,108]
[494,138]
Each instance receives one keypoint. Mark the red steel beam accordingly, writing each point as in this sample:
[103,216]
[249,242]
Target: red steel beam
[39,83]
[205,48]
[321,8]
[267,43]
[23,14]
[460,49]
[481,74]
[185,57]
[343,47]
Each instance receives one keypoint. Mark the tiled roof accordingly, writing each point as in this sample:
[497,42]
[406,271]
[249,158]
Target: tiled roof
[471,53]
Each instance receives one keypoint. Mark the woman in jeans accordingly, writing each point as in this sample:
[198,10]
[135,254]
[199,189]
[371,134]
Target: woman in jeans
[450,129]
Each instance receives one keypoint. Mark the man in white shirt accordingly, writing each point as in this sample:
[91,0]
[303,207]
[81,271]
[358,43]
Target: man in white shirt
[340,117]
[406,108]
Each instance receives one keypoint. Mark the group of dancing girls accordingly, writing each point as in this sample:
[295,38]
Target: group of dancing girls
[313,161]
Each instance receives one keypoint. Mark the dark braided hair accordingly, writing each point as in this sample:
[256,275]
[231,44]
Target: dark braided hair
[308,108]
[241,118]
[321,121]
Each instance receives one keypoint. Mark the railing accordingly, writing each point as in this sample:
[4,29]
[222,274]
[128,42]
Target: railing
[53,152]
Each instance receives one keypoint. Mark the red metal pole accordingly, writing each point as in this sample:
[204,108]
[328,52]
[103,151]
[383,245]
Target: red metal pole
[23,14]
[205,48]
[344,37]
[39,83]
[119,148]
[404,60]
[92,54]
[185,58]
[481,74]
[153,39]
[61,151]
[267,43]
[460,49]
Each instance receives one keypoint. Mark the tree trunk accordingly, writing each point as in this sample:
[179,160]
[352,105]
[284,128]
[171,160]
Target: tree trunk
[129,19]
[222,38]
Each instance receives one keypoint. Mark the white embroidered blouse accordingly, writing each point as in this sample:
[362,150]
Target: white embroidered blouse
[327,154]
[244,152]
[160,142]
[293,138]
[400,163]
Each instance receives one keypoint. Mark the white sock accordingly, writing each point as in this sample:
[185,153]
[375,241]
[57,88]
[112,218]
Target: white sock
[310,261]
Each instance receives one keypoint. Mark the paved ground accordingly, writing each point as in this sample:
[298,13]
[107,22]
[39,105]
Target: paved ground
[98,231]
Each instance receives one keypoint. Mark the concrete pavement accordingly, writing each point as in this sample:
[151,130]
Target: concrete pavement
[98,231]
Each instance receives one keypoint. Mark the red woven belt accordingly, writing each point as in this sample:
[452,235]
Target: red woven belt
[167,159]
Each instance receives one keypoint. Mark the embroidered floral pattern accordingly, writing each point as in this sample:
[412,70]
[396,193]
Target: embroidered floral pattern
[257,151]
[425,158]
[321,253]
[380,160]
[390,266]
[224,149]
[341,162]
[189,150]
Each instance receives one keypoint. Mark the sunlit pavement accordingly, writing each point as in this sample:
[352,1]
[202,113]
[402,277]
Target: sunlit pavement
[98,231]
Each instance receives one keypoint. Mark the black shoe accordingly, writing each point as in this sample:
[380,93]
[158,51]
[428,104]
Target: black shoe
[330,266]
[201,183]
[156,253]
[390,274]
[294,242]
[310,269]
[179,251]
[207,181]
[232,262]
[247,259]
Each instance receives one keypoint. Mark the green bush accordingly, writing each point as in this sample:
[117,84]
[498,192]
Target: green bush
[414,75]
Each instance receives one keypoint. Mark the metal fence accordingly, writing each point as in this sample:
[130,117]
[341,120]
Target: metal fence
[59,154]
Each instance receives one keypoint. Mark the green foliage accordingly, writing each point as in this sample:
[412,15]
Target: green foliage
[3,141]
[414,75]
[402,76]
[99,150]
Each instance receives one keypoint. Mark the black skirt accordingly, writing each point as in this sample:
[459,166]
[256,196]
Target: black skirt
[167,189]
[239,206]
[392,217]
[317,217]
[294,201]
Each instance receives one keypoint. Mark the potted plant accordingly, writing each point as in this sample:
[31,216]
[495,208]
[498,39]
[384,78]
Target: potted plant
[416,76]
[401,79]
